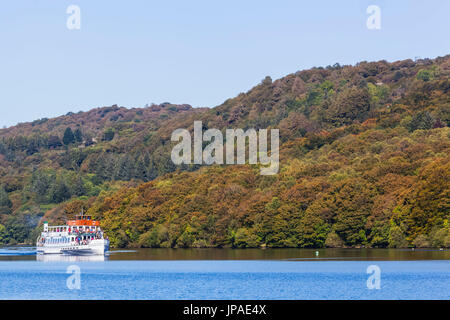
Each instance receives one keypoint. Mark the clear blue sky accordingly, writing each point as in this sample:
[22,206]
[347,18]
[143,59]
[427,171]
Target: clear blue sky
[199,52]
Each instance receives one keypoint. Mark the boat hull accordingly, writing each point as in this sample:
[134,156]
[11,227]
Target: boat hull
[95,247]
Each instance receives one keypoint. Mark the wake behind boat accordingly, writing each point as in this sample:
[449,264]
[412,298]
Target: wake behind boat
[82,236]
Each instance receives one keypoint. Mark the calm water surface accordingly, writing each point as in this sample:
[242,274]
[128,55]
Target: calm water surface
[227,274]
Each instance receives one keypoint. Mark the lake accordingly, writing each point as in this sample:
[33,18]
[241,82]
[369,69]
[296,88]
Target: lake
[269,274]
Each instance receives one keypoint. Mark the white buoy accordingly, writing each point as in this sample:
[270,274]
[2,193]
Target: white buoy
[317,253]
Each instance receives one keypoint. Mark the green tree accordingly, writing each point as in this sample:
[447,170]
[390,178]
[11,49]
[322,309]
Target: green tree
[421,121]
[108,135]
[78,188]
[69,137]
[333,241]
[4,237]
[243,238]
[78,135]
[59,191]
[18,228]
[397,238]
[352,202]
[154,238]
[350,105]
[425,75]
[187,238]
[40,184]
[5,202]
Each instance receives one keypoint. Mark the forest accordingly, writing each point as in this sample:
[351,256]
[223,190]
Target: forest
[364,162]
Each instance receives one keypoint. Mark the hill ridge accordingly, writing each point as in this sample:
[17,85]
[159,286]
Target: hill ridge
[377,130]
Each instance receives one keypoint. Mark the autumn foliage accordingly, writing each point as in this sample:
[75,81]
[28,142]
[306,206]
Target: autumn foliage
[364,161]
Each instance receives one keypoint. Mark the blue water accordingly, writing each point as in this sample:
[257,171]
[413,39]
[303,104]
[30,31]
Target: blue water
[219,279]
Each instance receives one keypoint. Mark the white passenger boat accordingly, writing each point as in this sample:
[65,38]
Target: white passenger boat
[81,236]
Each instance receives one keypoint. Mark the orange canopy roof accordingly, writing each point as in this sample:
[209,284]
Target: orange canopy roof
[83,221]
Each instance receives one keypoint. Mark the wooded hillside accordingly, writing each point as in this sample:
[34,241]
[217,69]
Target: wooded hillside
[364,161]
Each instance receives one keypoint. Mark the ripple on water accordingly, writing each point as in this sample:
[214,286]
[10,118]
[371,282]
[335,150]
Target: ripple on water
[17,251]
